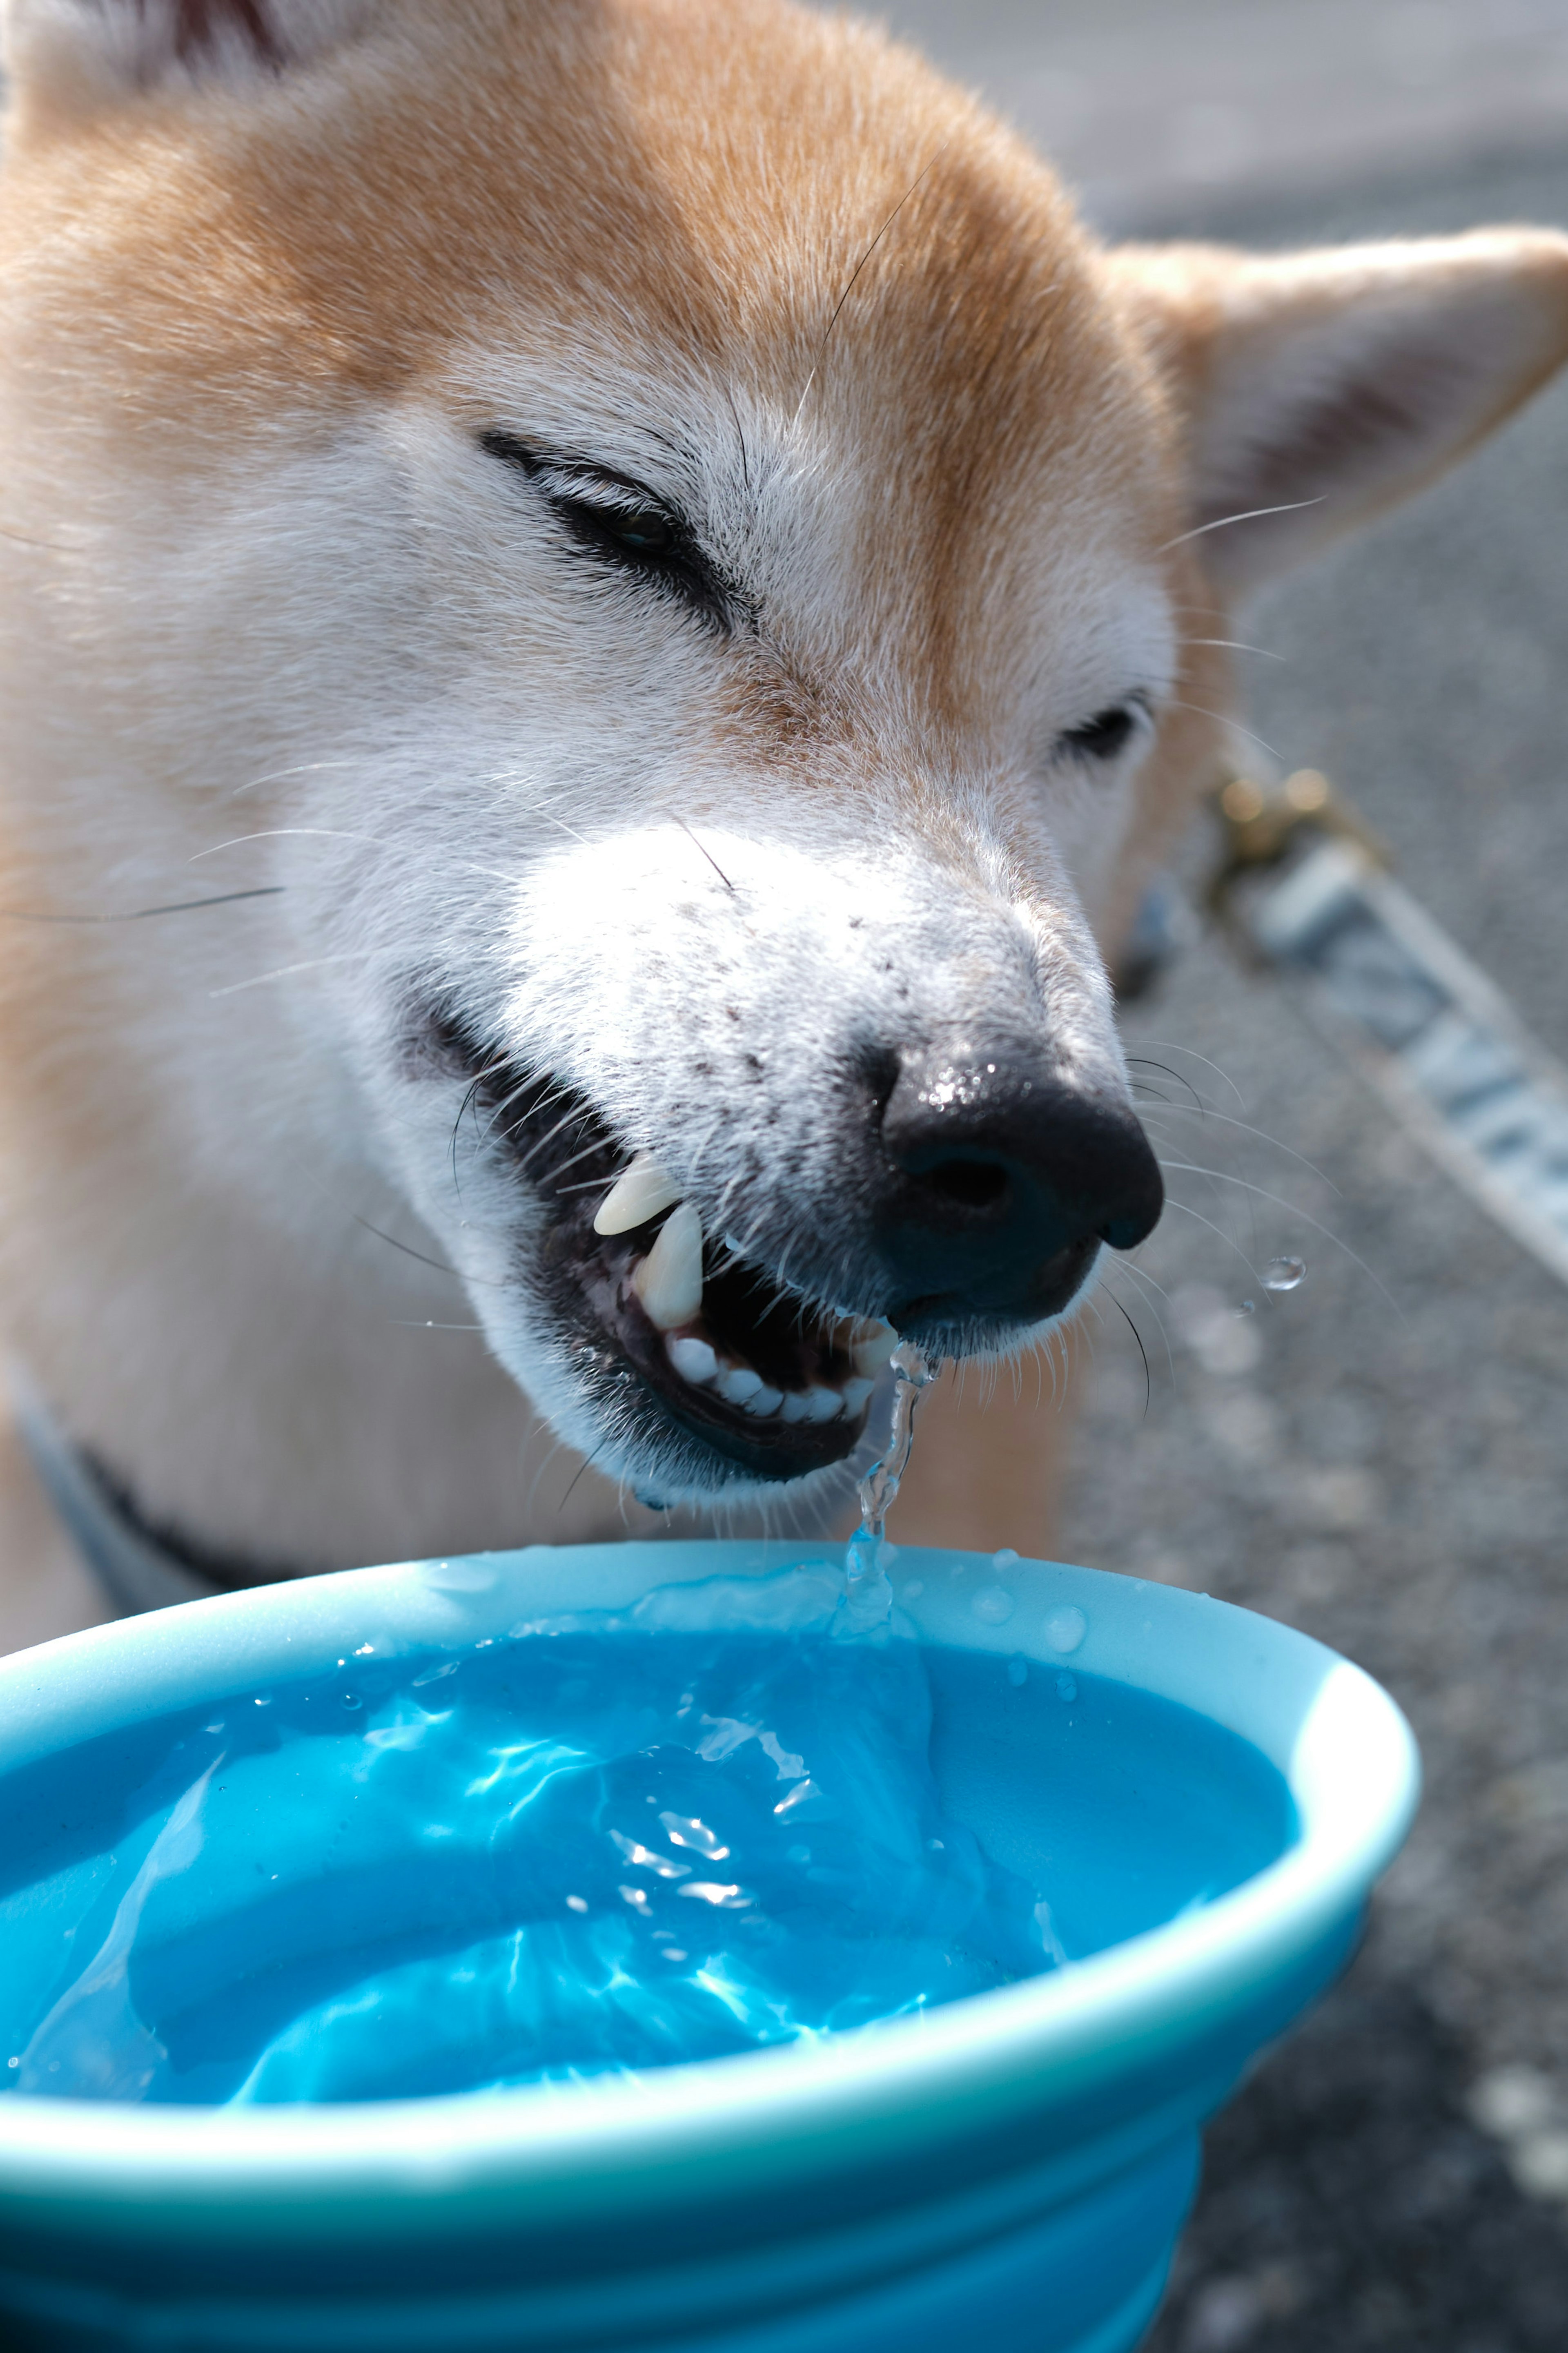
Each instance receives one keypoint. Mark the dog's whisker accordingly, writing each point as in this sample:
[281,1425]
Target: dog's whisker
[1248,514]
[288,971]
[283,775]
[1292,1208]
[1174,1046]
[280,832]
[1144,1353]
[1187,1210]
[1126,1265]
[1226,719]
[1205,1112]
[855,276]
[1238,646]
[1143,1062]
[144,914]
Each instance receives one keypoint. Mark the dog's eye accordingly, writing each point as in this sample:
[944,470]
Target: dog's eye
[644,532]
[620,522]
[1105,736]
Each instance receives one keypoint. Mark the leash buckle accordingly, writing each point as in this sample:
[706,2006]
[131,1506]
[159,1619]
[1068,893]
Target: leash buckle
[1260,830]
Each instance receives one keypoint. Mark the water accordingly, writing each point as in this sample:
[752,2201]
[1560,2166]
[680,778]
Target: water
[1284,1274]
[868,1595]
[599,1844]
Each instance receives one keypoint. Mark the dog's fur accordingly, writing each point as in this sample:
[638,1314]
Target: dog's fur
[283,615]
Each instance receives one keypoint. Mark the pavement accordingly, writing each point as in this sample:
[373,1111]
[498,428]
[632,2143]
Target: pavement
[1381,1457]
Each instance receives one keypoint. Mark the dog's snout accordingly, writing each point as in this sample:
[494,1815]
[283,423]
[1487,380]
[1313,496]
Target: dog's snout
[999,1179]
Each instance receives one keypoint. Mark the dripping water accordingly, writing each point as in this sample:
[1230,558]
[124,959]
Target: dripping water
[867,1595]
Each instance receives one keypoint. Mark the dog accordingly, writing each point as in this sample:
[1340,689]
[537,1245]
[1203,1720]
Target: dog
[606,603]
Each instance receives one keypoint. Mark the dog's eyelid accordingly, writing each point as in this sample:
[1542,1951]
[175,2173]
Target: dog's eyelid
[617,520]
[1106,735]
[576,481]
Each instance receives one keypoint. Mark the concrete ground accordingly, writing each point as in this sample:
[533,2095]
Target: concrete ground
[1381,1457]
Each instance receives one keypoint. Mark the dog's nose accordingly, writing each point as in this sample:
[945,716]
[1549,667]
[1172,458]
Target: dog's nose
[999,1179]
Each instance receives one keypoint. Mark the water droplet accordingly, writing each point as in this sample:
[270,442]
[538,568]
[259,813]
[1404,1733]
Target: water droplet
[1067,1687]
[993,1604]
[1248,1307]
[1284,1273]
[913,1590]
[352,1700]
[1017,1672]
[1064,1629]
[1006,1559]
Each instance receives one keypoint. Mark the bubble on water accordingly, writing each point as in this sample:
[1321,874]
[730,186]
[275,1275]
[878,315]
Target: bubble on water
[1066,1687]
[1006,1559]
[1284,1274]
[264,1699]
[993,1604]
[352,1700]
[1065,1627]
[577,1904]
[1017,1672]
[913,1590]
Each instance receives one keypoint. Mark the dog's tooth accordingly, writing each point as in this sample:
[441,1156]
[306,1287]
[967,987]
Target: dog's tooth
[823,1405]
[639,1193]
[668,1282]
[856,1392]
[794,1407]
[764,1401]
[694,1360]
[739,1384]
[872,1348]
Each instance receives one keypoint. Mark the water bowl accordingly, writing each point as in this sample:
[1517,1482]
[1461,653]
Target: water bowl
[224,1819]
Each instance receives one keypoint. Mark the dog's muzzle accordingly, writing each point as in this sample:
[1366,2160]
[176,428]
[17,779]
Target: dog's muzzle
[973,1188]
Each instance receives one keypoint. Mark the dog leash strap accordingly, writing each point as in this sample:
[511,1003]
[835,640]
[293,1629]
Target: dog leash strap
[1303,886]
[136,1573]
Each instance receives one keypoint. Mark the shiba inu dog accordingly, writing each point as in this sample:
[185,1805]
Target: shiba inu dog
[605,605]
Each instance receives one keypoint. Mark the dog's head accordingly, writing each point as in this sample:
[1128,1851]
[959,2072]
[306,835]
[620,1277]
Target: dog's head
[701,586]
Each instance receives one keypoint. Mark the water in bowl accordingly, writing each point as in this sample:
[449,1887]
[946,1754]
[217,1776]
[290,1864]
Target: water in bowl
[705,1825]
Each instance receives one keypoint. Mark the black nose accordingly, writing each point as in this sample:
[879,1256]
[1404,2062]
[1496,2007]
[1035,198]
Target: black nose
[999,1179]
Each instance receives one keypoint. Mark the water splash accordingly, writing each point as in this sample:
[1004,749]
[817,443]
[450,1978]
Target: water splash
[867,1597]
[1284,1274]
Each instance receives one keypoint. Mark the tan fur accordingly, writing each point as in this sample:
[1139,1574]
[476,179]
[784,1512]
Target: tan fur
[210,275]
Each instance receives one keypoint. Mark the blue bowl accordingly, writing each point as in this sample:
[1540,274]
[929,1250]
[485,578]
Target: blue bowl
[1018,2162]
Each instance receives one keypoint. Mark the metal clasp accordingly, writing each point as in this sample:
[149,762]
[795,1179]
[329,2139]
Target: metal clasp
[1260,829]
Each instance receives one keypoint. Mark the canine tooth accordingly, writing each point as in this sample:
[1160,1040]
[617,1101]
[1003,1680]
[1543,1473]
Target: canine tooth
[639,1193]
[764,1401]
[823,1405]
[668,1282]
[873,1348]
[739,1384]
[694,1360]
[794,1407]
[856,1392]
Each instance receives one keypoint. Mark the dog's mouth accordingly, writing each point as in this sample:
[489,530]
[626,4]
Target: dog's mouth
[682,1342]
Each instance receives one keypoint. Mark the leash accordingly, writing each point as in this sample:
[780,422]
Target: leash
[136,1570]
[1301,886]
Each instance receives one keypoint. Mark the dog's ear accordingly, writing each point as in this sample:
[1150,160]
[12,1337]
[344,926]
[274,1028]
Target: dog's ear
[1333,384]
[66,57]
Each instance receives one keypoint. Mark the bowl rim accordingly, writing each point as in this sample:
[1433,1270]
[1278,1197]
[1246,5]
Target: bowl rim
[658,2138]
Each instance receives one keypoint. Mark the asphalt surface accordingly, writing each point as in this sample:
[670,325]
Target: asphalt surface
[1381,1457]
